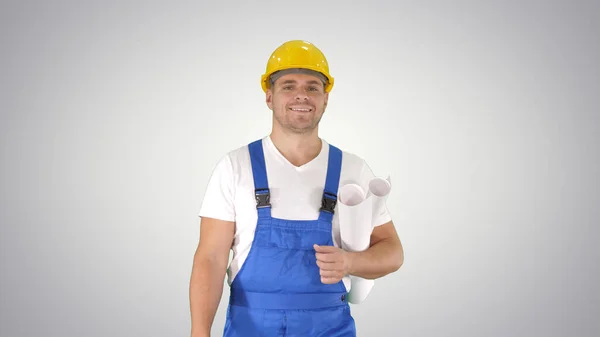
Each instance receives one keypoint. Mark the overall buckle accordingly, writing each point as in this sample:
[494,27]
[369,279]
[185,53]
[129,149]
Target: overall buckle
[263,197]
[328,202]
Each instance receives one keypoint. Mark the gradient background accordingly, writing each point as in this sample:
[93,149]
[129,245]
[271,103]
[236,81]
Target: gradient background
[485,114]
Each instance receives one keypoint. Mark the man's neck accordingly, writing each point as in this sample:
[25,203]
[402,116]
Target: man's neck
[298,149]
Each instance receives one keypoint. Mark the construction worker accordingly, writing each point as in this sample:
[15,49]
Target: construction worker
[273,203]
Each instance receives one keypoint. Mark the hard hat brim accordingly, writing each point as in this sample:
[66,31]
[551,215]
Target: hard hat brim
[265,77]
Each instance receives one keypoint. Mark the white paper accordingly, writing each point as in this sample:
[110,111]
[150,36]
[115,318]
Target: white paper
[379,189]
[356,218]
[358,211]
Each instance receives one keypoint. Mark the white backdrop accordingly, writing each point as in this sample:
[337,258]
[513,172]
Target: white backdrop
[485,114]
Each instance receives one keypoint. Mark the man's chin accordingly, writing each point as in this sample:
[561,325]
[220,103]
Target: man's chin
[301,127]
[298,124]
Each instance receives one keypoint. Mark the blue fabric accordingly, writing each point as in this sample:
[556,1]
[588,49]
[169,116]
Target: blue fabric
[278,291]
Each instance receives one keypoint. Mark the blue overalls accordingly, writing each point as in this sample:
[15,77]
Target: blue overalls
[278,290]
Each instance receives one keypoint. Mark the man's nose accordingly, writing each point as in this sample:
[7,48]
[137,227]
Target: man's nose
[301,95]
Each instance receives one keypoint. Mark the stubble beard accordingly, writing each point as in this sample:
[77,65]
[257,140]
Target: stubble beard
[291,124]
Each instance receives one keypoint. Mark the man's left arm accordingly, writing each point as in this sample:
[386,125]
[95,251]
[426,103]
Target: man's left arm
[384,256]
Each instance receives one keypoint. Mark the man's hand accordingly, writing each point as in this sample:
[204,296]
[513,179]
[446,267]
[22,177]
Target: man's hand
[333,262]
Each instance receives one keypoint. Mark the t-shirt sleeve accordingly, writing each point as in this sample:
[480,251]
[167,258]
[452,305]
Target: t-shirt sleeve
[381,215]
[218,199]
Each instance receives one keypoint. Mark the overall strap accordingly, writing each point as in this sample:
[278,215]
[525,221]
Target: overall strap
[261,183]
[332,182]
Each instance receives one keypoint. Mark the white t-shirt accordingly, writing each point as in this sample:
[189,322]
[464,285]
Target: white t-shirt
[296,193]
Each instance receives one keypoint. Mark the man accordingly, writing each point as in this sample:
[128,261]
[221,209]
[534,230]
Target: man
[273,203]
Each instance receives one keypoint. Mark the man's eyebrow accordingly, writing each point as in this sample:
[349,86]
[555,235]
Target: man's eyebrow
[311,82]
[294,81]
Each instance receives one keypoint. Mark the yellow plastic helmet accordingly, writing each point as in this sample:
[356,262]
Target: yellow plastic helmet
[297,54]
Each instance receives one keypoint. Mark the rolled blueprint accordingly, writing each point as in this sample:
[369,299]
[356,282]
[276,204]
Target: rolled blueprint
[358,211]
[356,218]
[379,189]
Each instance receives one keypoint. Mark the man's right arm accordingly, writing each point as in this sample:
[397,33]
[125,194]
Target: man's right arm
[208,273]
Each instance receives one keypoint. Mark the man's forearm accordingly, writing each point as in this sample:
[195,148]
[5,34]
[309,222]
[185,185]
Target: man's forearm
[384,257]
[206,288]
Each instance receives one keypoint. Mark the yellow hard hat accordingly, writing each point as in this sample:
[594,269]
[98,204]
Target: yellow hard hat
[297,54]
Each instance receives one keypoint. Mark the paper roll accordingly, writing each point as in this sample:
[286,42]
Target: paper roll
[358,211]
[360,289]
[379,189]
[356,215]
[351,195]
[355,218]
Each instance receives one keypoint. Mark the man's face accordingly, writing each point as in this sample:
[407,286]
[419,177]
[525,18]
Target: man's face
[298,102]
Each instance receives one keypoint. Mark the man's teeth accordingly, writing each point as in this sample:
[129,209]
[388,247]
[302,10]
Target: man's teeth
[300,109]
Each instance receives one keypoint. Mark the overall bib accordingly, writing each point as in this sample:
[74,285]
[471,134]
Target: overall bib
[278,290]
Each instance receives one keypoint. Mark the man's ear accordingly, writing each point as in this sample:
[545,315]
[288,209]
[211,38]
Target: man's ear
[269,99]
